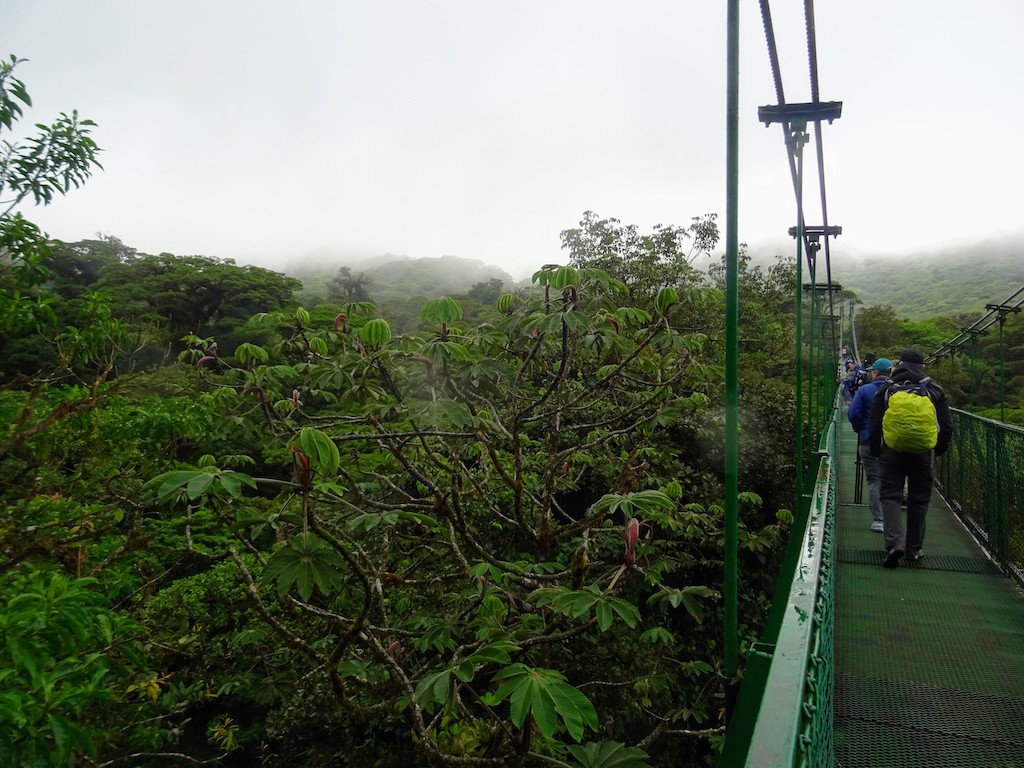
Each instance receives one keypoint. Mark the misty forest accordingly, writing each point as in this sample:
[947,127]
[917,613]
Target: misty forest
[414,513]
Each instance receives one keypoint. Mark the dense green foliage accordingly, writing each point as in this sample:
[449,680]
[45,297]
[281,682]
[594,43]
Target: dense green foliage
[467,541]
[490,539]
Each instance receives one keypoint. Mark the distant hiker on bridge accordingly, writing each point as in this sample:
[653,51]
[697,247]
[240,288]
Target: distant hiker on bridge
[859,415]
[910,425]
[849,381]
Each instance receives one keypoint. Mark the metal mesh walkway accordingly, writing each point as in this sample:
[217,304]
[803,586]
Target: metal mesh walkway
[929,657]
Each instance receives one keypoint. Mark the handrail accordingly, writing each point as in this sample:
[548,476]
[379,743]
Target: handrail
[784,717]
[798,690]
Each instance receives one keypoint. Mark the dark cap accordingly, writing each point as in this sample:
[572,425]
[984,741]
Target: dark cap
[912,356]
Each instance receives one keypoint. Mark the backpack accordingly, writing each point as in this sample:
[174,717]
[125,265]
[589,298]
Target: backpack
[910,424]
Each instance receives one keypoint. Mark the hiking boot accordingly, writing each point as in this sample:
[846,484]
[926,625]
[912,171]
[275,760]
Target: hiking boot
[892,557]
[877,526]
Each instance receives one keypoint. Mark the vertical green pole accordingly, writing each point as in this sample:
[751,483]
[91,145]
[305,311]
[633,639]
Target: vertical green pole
[1002,375]
[812,330]
[842,320]
[798,144]
[970,373]
[731,579]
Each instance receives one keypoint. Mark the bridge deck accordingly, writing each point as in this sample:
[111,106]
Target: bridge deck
[929,656]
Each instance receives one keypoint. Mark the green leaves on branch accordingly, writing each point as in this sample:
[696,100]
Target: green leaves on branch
[193,483]
[12,90]
[574,604]
[376,332]
[62,155]
[608,754]
[319,346]
[437,687]
[320,450]
[565,277]
[305,561]
[55,663]
[691,598]
[667,298]
[441,311]
[544,695]
[634,504]
[250,354]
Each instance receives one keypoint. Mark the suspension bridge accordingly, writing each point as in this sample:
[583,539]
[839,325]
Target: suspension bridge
[860,665]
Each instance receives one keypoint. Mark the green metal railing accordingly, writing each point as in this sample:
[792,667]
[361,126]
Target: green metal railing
[784,713]
[982,478]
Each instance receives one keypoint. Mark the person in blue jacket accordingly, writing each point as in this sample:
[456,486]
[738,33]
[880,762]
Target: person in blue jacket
[859,414]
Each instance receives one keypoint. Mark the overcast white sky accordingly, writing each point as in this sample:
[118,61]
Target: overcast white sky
[274,132]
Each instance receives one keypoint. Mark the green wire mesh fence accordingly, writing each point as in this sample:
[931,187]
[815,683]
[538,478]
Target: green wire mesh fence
[982,478]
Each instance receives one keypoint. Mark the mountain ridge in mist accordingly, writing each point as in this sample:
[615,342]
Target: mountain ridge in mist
[928,283]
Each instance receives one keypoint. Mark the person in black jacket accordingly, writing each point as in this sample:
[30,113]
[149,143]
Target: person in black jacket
[914,469]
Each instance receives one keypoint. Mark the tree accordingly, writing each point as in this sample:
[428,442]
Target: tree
[471,543]
[879,331]
[347,287]
[644,262]
[59,635]
[60,156]
[192,294]
[75,268]
[484,534]
[486,292]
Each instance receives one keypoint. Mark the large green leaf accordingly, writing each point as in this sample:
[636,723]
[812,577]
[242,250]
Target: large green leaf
[321,451]
[608,754]
[434,689]
[689,597]
[196,482]
[305,561]
[171,481]
[545,695]
[493,653]
[634,504]
[577,603]
[441,310]
[232,482]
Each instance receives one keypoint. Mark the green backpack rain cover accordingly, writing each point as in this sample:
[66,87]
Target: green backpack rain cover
[910,424]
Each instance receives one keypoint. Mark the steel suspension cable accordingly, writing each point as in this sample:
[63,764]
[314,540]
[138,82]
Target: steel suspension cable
[812,61]
[773,56]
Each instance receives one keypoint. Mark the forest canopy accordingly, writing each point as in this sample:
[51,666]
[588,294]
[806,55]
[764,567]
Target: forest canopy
[251,521]
[239,530]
